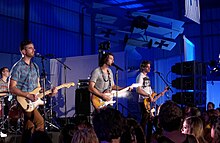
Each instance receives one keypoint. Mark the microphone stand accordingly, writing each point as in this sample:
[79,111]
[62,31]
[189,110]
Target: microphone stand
[65,67]
[43,82]
[116,79]
[164,81]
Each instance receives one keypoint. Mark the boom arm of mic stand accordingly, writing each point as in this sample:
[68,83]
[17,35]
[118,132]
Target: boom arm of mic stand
[165,82]
[63,63]
[65,66]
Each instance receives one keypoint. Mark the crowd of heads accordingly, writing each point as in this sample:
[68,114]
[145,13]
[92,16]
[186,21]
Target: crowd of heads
[109,125]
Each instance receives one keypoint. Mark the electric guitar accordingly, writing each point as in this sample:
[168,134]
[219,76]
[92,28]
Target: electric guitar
[148,105]
[98,103]
[29,105]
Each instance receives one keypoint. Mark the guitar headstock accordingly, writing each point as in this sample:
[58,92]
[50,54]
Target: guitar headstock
[68,85]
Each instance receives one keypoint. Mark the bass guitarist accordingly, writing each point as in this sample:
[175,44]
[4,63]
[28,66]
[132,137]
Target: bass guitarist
[102,82]
[24,79]
[145,92]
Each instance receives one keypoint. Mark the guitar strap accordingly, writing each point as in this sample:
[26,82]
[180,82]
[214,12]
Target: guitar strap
[108,80]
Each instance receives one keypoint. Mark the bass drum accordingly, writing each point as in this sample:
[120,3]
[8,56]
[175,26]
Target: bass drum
[15,116]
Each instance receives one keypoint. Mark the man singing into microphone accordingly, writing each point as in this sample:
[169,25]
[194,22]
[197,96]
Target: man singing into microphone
[102,82]
[24,79]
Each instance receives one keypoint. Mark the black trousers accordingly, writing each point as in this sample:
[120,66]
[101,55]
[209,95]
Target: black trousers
[146,120]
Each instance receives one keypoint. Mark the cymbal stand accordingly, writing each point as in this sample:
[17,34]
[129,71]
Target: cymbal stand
[3,119]
[51,121]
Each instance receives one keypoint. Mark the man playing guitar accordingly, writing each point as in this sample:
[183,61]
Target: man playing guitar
[145,92]
[102,82]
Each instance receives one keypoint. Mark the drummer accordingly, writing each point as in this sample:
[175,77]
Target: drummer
[4,96]
[4,91]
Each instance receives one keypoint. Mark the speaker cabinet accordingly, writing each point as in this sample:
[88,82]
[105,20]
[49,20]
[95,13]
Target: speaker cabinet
[190,83]
[189,68]
[82,101]
[189,98]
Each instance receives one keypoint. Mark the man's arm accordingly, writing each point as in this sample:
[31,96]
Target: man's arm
[115,86]
[160,94]
[15,91]
[143,93]
[96,92]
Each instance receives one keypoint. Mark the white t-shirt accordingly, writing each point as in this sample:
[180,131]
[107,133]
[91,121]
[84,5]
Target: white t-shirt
[144,80]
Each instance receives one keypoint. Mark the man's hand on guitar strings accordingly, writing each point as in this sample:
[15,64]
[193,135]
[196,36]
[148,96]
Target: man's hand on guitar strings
[107,96]
[54,91]
[32,97]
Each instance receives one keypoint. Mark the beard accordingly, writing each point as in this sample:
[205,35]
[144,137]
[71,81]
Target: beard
[30,55]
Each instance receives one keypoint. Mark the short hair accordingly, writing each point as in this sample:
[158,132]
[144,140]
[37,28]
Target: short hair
[211,103]
[2,69]
[170,116]
[104,58]
[108,124]
[24,43]
[144,64]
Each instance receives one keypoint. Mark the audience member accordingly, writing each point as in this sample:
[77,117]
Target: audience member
[84,135]
[133,132]
[194,126]
[210,106]
[109,125]
[170,119]
[215,130]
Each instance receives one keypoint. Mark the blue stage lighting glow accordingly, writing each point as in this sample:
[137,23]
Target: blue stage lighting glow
[120,1]
[132,6]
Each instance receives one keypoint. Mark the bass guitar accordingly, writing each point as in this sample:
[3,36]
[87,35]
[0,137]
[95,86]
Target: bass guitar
[29,105]
[98,103]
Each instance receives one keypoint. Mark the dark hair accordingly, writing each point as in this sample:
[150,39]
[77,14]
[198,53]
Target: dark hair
[170,116]
[108,124]
[1,70]
[144,64]
[133,132]
[104,58]
[211,103]
[24,43]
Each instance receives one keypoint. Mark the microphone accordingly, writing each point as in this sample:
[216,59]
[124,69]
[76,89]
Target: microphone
[157,72]
[49,55]
[117,67]
[44,57]
[39,55]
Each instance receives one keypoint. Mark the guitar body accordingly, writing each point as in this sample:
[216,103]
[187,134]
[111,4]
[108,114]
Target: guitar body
[151,108]
[147,102]
[29,105]
[98,103]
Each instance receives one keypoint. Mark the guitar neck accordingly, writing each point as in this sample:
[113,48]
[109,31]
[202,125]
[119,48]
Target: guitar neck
[123,90]
[58,87]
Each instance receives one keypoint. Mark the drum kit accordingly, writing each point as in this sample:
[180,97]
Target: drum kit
[11,117]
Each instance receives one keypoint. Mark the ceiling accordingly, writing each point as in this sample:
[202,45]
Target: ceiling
[132,22]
